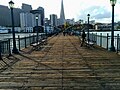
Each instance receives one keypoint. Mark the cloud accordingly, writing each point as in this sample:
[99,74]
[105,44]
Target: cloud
[96,12]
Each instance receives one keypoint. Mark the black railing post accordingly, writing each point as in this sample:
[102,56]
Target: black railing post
[100,39]
[19,42]
[117,42]
[92,38]
[10,54]
[25,43]
[107,40]
[32,38]
[0,51]
[96,38]
[29,39]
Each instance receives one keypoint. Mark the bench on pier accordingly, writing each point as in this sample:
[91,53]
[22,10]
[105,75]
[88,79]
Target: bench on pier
[37,45]
[44,41]
[89,43]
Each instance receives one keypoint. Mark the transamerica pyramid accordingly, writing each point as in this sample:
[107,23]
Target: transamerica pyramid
[62,14]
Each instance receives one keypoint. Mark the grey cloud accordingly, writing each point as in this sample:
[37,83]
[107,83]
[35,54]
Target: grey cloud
[96,12]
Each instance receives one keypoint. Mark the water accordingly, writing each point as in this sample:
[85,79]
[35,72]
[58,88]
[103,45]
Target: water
[6,36]
[20,43]
[104,39]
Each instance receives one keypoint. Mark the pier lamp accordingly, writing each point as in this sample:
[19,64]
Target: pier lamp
[45,28]
[15,50]
[37,27]
[112,48]
[88,26]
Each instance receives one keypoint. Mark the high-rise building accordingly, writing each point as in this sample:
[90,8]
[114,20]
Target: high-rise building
[53,20]
[39,11]
[5,16]
[70,21]
[62,14]
[26,20]
[26,7]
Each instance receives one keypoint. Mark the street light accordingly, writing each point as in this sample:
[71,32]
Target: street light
[15,50]
[88,27]
[45,28]
[37,27]
[112,48]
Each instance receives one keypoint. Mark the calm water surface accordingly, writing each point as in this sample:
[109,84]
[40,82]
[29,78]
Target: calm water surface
[6,36]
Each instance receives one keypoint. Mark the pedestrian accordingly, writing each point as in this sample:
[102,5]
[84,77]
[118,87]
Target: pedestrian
[63,33]
[83,38]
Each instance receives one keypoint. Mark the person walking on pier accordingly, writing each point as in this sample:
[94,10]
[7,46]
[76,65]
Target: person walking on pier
[83,38]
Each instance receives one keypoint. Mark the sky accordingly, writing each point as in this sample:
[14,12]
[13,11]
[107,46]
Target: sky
[99,10]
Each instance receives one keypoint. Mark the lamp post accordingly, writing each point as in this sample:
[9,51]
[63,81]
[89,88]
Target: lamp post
[37,27]
[88,27]
[112,48]
[45,27]
[15,50]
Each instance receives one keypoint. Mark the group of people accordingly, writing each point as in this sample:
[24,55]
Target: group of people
[67,33]
[83,36]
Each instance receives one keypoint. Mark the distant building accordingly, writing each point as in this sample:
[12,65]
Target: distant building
[26,7]
[90,22]
[58,21]
[27,22]
[4,16]
[17,12]
[49,29]
[47,22]
[102,26]
[53,20]
[24,18]
[62,14]
[39,11]
[70,21]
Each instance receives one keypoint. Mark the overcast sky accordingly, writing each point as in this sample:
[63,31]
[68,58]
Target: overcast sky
[100,10]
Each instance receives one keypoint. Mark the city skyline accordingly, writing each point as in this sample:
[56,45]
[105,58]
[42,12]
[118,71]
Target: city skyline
[99,10]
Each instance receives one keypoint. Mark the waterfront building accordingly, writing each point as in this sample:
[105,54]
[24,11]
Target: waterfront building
[58,21]
[53,20]
[49,29]
[90,22]
[70,21]
[4,16]
[102,26]
[26,7]
[27,22]
[17,12]
[39,11]
[47,21]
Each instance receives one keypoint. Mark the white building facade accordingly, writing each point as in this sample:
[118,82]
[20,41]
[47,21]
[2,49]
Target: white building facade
[53,20]
[28,21]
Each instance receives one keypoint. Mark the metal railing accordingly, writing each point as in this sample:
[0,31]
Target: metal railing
[105,41]
[21,43]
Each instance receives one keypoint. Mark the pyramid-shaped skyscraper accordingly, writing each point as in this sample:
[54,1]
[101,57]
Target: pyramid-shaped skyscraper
[62,14]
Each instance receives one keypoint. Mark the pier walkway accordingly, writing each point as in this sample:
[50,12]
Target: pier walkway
[61,65]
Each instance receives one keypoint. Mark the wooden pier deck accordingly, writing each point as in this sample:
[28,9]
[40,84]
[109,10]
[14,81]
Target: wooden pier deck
[61,65]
